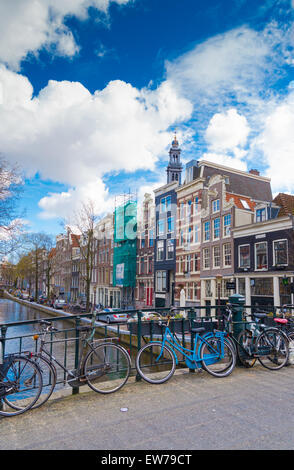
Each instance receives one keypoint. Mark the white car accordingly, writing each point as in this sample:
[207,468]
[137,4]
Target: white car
[109,315]
[25,296]
[59,303]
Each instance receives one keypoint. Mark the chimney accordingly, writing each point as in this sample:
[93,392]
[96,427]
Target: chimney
[254,172]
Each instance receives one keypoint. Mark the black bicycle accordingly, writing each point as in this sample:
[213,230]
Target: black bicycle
[256,341]
[20,384]
[103,365]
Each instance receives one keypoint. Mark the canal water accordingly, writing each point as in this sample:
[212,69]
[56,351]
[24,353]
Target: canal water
[11,311]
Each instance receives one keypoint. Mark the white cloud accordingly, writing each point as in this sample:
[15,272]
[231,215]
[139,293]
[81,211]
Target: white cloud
[72,136]
[276,143]
[227,130]
[27,26]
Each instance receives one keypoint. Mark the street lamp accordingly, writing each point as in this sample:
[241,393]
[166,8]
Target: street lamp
[218,283]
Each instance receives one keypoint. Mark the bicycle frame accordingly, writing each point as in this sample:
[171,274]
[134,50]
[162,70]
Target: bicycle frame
[192,356]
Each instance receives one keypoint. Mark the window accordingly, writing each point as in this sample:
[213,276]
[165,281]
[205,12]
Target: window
[182,237]
[188,264]
[241,286]
[280,252]
[182,210]
[150,265]
[160,227]
[196,205]
[142,266]
[143,240]
[151,238]
[196,234]
[261,256]
[216,228]
[195,262]
[160,250]
[216,256]
[215,205]
[227,225]
[206,258]
[190,234]
[245,204]
[165,204]
[206,231]
[227,255]
[170,224]
[170,249]
[244,256]
[208,291]
[160,281]
[260,215]
[189,206]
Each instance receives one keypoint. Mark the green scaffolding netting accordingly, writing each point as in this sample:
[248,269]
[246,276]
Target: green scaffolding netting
[125,248]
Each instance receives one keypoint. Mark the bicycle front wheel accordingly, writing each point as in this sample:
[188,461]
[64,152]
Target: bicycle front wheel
[155,363]
[21,386]
[218,357]
[273,350]
[107,368]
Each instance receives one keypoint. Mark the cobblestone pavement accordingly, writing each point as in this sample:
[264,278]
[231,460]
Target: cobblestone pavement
[250,409]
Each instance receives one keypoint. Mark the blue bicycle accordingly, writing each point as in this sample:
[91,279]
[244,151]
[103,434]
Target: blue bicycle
[156,361]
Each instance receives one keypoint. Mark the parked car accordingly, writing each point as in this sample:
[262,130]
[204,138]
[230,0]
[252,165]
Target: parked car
[59,303]
[24,296]
[145,316]
[109,315]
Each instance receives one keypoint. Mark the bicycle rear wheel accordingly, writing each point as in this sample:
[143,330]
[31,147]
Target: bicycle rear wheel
[243,345]
[155,363]
[218,357]
[273,346]
[107,368]
[21,386]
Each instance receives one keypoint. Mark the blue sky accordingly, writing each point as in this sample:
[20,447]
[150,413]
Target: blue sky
[92,91]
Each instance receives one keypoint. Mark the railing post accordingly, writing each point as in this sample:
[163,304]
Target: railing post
[2,343]
[191,317]
[2,351]
[139,330]
[76,390]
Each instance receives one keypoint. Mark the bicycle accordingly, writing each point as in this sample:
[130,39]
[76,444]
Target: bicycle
[156,361]
[268,345]
[105,368]
[20,384]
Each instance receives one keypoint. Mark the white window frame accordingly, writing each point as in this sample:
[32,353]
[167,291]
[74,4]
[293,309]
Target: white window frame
[224,255]
[215,266]
[206,250]
[239,256]
[219,228]
[225,227]
[274,252]
[255,258]
[217,202]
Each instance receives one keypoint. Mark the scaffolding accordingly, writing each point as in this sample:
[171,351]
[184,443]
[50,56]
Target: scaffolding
[125,246]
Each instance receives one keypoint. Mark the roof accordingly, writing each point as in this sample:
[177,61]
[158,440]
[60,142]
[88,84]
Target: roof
[286,202]
[242,202]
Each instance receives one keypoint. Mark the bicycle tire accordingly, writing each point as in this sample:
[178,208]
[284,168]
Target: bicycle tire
[290,336]
[211,357]
[272,339]
[48,371]
[26,397]
[107,368]
[245,359]
[151,370]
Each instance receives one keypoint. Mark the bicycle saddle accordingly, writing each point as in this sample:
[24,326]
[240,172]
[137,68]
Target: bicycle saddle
[198,330]
[259,315]
[282,321]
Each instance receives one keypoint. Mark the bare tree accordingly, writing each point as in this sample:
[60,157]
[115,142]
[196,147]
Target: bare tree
[37,244]
[11,185]
[83,223]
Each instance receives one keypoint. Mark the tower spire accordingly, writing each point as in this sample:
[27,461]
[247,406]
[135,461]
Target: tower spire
[174,168]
